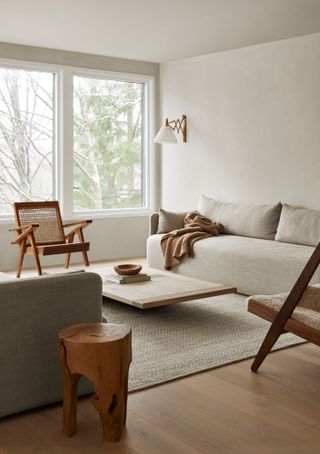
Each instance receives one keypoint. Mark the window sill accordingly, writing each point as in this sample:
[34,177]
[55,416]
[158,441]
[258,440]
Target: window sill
[106,214]
[109,214]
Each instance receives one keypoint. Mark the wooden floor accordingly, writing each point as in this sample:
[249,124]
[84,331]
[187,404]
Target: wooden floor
[225,410]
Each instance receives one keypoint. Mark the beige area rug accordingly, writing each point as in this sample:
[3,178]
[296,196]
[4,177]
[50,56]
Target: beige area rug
[178,340]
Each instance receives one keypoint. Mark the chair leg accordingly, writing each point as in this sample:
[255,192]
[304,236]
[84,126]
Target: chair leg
[20,261]
[84,253]
[36,257]
[68,256]
[36,254]
[266,346]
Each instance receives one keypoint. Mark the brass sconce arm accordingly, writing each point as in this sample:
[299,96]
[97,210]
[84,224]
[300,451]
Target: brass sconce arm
[179,125]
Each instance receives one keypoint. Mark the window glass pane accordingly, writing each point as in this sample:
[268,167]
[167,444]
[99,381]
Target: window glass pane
[26,136]
[108,145]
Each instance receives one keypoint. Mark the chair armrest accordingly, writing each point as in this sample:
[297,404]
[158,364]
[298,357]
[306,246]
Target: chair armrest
[79,226]
[70,224]
[26,231]
[22,227]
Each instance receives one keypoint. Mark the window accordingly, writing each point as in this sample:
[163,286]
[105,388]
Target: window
[79,136]
[27,106]
[108,144]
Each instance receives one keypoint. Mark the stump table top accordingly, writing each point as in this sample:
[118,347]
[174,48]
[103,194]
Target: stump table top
[93,333]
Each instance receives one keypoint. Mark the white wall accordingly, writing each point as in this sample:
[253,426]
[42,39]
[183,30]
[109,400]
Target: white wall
[253,125]
[110,238]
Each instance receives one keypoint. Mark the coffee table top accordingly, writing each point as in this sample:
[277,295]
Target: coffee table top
[164,288]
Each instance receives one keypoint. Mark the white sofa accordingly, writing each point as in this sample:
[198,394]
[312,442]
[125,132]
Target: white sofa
[253,265]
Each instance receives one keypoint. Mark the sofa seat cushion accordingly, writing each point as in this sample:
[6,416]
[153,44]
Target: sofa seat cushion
[307,311]
[254,266]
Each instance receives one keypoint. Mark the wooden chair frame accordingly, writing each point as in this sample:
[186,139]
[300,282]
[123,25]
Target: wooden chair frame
[281,321]
[63,244]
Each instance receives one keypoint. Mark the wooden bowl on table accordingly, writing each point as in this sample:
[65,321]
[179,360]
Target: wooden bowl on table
[128,269]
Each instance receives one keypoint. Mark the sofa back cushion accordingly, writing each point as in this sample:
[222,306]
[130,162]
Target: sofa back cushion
[257,221]
[299,225]
[169,221]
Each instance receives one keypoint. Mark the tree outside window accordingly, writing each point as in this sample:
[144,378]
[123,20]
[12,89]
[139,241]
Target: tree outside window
[26,136]
[108,151]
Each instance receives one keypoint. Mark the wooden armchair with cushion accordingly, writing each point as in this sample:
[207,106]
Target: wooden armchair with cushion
[297,312]
[40,231]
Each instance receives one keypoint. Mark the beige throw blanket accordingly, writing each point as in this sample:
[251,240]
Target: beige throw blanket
[179,243]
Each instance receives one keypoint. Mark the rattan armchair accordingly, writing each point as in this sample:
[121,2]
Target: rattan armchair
[40,231]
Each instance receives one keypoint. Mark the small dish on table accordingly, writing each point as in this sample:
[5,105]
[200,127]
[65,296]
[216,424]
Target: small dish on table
[128,269]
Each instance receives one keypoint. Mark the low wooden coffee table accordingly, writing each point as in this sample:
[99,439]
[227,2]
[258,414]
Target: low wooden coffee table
[164,288]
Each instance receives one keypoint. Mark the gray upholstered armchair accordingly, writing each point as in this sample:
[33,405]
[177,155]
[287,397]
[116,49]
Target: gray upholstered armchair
[32,312]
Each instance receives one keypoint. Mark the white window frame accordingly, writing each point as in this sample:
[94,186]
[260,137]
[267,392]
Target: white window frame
[148,82]
[64,137]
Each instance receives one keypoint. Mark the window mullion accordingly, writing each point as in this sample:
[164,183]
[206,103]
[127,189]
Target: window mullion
[65,164]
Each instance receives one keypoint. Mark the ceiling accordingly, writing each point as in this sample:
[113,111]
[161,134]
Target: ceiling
[155,30]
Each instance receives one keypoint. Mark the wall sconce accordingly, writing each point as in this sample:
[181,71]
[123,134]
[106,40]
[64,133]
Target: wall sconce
[166,133]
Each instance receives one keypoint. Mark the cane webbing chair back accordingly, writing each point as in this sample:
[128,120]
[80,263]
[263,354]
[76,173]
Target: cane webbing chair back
[47,215]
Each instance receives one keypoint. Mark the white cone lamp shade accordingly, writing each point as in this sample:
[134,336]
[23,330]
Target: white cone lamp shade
[165,135]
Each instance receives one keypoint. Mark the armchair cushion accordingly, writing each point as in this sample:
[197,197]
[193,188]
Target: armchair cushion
[306,312]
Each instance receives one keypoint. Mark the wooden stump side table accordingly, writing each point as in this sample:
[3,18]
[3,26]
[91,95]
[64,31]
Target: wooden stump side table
[102,353]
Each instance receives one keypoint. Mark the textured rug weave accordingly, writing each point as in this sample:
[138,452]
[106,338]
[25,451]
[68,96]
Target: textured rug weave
[185,338]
